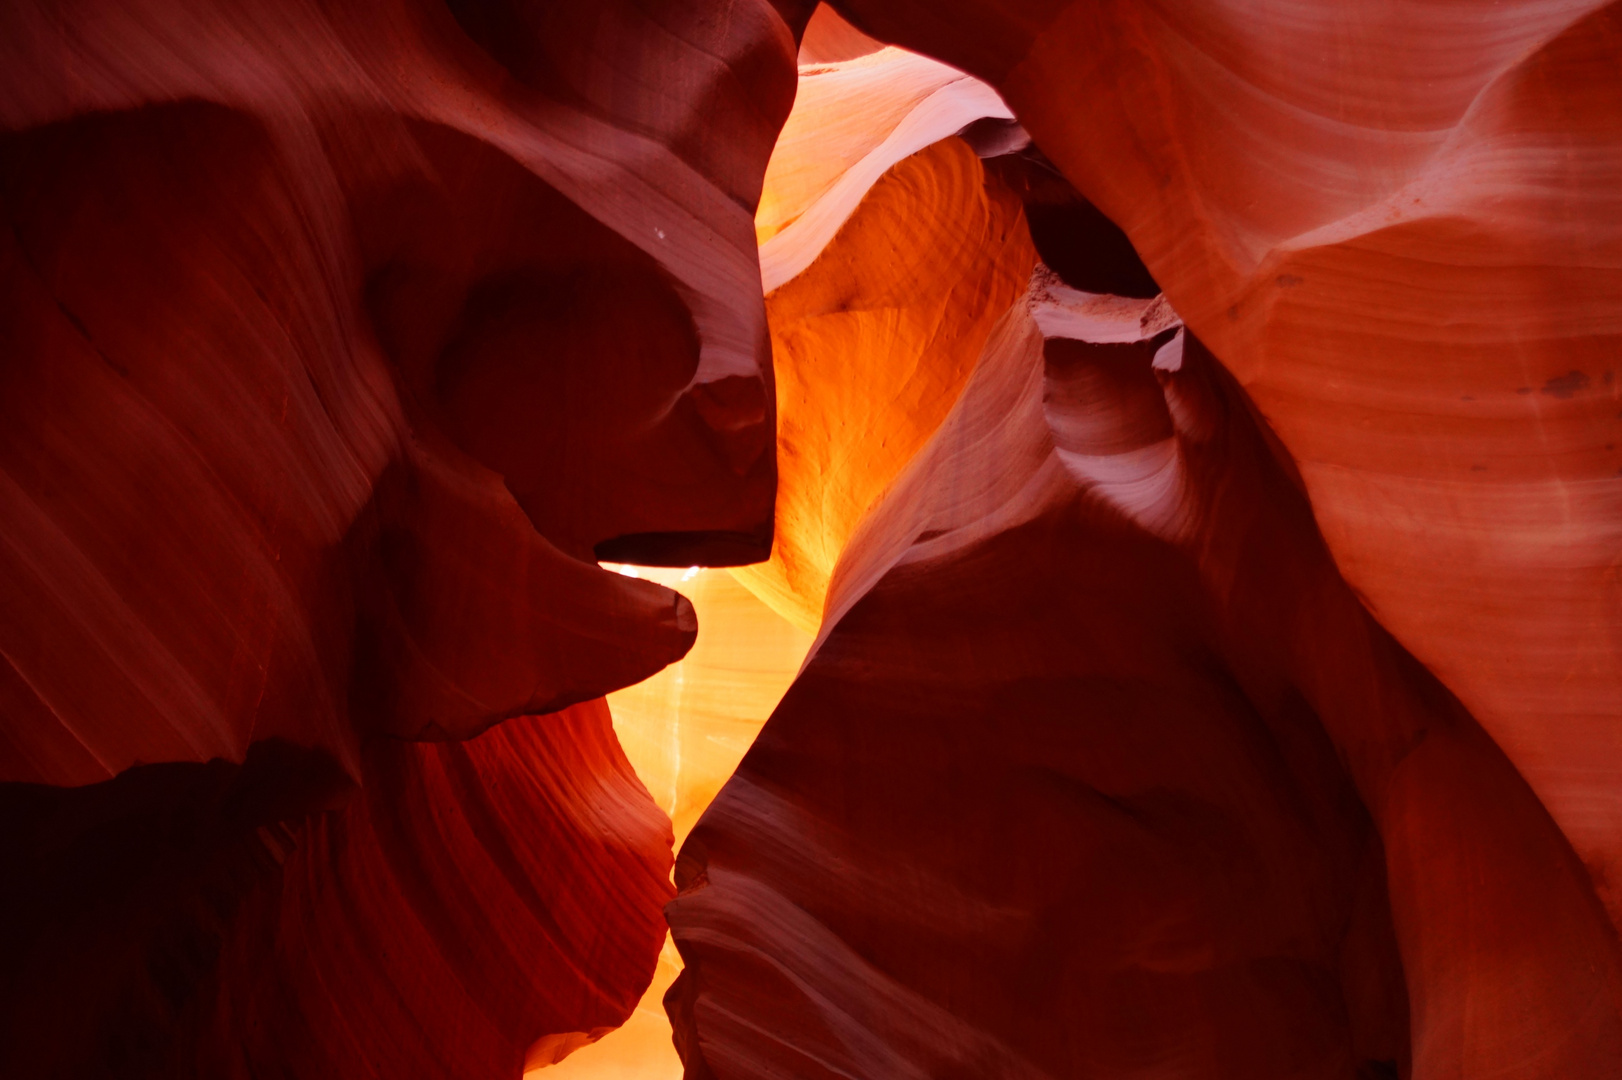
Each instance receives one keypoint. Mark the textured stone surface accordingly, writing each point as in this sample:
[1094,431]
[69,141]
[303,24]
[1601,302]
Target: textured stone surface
[873,342]
[339,341]
[1099,764]
[1397,226]
[280,295]
[471,900]
[1220,656]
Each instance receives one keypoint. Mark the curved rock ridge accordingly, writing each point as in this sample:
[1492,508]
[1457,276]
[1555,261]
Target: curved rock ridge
[828,39]
[473,902]
[1164,793]
[1217,656]
[273,296]
[489,899]
[852,120]
[1397,226]
[340,341]
[873,342]
[684,730]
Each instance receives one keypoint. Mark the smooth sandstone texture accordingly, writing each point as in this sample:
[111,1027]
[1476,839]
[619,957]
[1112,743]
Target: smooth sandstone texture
[684,730]
[276,301]
[1079,804]
[851,122]
[472,903]
[339,342]
[1188,807]
[828,39]
[1397,225]
[873,342]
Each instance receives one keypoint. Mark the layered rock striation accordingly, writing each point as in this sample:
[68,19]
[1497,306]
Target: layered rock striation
[1100,766]
[339,342]
[1191,433]
[1397,228]
[944,796]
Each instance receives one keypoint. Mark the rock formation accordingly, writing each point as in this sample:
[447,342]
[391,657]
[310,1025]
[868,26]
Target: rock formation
[873,344]
[1187,805]
[1497,931]
[339,341]
[684,730]
[1189,432]
[1396,225]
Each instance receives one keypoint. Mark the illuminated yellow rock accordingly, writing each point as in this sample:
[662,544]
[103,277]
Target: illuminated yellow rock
[685,729]
[871,346]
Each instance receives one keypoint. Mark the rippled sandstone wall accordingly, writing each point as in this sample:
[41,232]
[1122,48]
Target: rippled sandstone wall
[338,342]
[1220,652]
[1397,227]
[948,687]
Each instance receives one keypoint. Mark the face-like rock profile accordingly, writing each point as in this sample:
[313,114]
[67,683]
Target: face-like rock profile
[1191,433]
[302,320]
[339,344]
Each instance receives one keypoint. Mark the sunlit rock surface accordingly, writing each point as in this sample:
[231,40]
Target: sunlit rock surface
[1219,669]
[1098,764]
[1456,930]
[873,342]
[851,122]
[1398,227]
[684,730]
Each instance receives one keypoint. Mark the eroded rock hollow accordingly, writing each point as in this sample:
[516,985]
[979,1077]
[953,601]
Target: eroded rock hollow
[1166,457]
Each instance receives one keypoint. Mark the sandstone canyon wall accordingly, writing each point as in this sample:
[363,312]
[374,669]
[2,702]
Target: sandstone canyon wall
[684,730]
[790,879]
[1397,226]
[938,694]
[1182,441]
[338,341]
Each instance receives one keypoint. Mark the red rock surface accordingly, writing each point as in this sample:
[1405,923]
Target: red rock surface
[471,902]
[339,341]
[895,816]
[1220,656]
[1397,226]
[873,342]
[1099,766]
[279,295]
